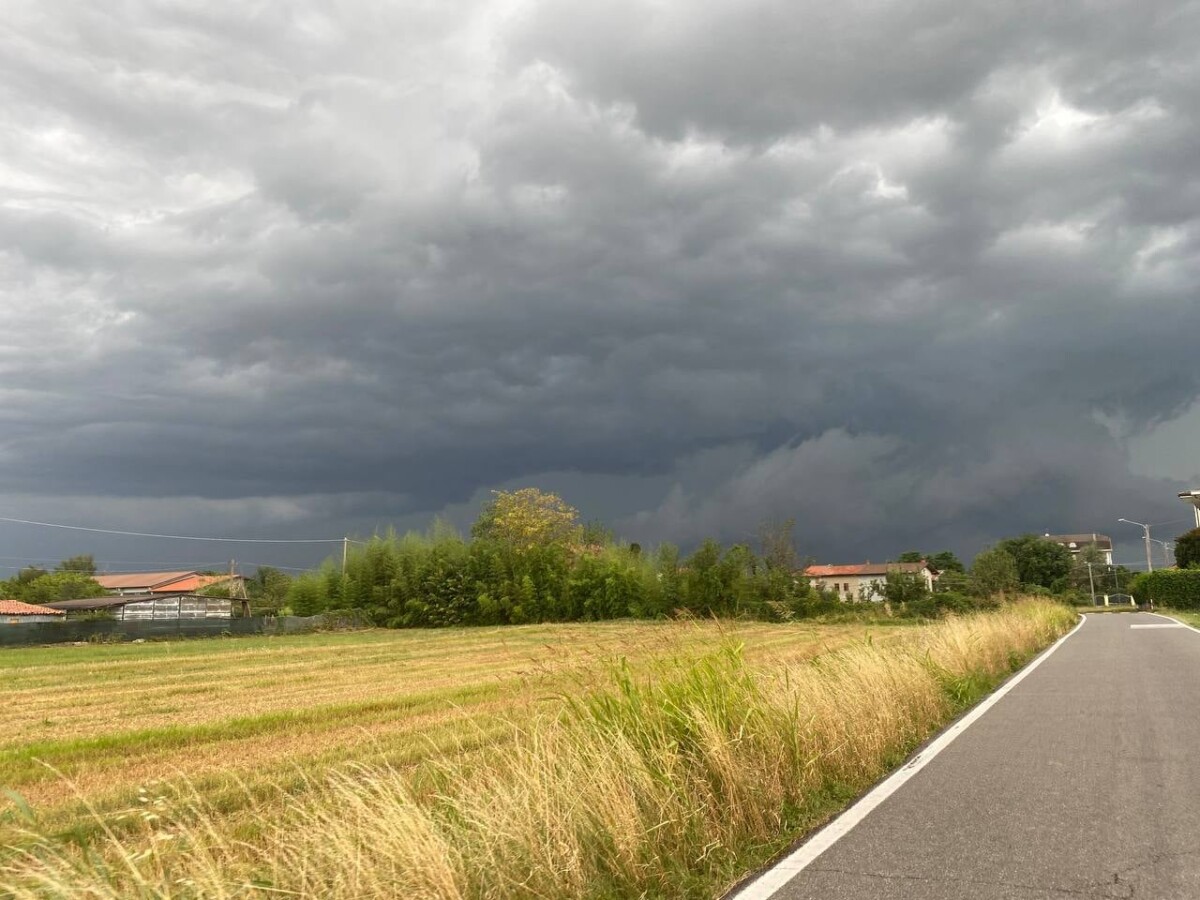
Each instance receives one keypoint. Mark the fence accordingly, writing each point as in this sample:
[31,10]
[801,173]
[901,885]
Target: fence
[97,630]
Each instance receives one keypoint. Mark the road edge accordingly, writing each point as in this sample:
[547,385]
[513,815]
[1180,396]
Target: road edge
[768,882]
[1175,620]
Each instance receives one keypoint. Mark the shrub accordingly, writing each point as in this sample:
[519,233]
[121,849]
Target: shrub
[1178,588]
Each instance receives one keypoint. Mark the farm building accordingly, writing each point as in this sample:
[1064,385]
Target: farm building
[144,607]
[14,612]
[865,581]
[183,582]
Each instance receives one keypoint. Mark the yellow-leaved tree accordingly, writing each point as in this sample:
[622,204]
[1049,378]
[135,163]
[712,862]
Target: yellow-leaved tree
[527,519]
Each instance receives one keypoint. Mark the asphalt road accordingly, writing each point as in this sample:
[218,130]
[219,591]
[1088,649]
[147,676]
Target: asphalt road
[1083,781]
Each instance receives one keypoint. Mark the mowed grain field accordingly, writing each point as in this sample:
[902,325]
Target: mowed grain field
[92,728]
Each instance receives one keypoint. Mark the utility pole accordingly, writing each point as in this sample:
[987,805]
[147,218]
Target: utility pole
[345,552]
[237,589]
[1145,540]
[1091,581]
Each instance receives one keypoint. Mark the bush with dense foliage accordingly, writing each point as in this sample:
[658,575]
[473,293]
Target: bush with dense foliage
[994,572]
[37,586]
[1039,561]
[1187,549]
[1177,588]
[441,579]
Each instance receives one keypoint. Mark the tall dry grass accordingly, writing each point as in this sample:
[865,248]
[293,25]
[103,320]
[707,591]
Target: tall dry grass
[662,785]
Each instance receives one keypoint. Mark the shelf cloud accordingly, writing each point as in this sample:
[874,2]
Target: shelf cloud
[918,275]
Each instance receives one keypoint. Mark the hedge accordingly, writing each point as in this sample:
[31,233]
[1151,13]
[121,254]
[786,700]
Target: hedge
[1178,588]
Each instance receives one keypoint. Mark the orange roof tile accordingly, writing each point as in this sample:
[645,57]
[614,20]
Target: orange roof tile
[17,608]
[863,569]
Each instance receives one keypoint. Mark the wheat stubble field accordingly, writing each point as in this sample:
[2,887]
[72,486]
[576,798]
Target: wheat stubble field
[101,722]
[588,760]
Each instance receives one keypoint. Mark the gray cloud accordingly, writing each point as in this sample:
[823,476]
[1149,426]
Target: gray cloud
[917,275]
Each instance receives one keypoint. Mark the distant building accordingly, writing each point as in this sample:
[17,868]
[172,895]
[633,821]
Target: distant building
[864,581]
[1077,542]
[141,607]
[160,582]
[14,612]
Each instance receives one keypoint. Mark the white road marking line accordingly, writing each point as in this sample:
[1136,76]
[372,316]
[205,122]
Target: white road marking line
[1156,625]
[772,880]
[1176,621]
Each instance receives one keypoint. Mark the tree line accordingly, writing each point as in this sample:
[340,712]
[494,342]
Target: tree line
[528,558]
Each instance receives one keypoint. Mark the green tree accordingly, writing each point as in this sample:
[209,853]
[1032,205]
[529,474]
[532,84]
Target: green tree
[942,562]
[597,533]
[1187,549]
[307,595]
[54,586]
[946,561]
[527,519]
[904,587]
[1038,560]
[268,587]
[995,572]
[778,545]
[85,563]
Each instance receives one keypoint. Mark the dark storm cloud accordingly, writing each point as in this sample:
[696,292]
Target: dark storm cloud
[916,274]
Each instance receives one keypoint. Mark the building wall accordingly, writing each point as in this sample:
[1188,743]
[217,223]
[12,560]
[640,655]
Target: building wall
[20,620]
[861,587]
[178,608]
[852,587]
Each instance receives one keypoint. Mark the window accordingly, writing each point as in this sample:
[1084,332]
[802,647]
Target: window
[847,587]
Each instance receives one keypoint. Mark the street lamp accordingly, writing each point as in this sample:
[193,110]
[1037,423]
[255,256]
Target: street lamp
[1145,538]
[1192,497]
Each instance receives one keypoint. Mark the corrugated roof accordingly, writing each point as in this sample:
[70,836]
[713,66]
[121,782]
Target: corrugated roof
[110,601]
[864,569]
[17,608]
[128,581]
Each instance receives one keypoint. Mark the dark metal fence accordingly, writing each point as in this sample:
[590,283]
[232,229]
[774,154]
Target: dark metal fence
[115,630]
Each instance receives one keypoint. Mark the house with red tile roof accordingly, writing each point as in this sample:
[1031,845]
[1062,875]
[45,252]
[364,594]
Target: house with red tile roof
[15,612]
[865,581]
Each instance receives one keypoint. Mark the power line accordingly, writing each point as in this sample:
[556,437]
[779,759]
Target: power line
[117,562]
[177,537]
[259,565]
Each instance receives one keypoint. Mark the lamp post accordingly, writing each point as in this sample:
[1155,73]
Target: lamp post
[1145,539]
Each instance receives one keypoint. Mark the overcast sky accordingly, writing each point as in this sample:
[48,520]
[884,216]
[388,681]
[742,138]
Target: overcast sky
[919,274]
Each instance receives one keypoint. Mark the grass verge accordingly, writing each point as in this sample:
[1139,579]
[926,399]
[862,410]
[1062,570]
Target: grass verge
[666,782]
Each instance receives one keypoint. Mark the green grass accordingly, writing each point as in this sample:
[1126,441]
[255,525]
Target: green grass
[1187,616]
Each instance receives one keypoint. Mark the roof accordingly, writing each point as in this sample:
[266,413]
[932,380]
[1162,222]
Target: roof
[124,581]
[17,608]
[1103,541]
[865,569]
[112,601]
[189,583]
[159,582]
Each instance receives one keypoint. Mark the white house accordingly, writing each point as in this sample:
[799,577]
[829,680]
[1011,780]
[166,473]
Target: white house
[1077,542]
[865,581]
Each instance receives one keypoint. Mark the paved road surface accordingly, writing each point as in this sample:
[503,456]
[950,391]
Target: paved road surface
[1083,782]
